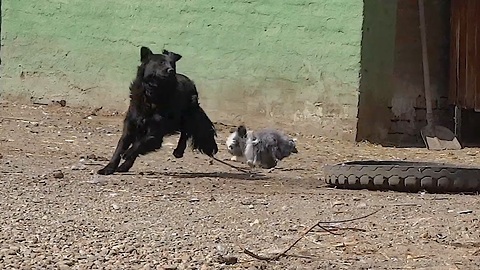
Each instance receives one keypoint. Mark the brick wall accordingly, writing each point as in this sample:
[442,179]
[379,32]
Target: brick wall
[279,61]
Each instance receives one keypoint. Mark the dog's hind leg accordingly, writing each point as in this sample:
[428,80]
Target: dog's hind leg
[122,145]
[181,145]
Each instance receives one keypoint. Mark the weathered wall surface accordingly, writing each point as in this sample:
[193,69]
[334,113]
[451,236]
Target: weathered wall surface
[281,61]
[408,113]
[378,47]
[392,102]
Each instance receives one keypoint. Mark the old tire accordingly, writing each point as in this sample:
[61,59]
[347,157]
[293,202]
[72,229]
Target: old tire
[403,176]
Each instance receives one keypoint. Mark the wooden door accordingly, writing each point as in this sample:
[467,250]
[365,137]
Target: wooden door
[465,54]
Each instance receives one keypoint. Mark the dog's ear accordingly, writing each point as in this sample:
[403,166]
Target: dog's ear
[145,52]
[174,56]
[242,131]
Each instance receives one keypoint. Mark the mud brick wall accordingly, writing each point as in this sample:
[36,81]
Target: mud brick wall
[405,128]
[292,63]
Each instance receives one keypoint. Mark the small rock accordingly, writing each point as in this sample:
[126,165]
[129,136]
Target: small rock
[255,222]
[337,203]
[362,205]
[62,266]
[115,206]
[186,258]
[251,206]
[194,200]
[229,260]
[170,267]
[62,103]
[69,263]
[78,167]
[98,180]
[465,212]
[58,174]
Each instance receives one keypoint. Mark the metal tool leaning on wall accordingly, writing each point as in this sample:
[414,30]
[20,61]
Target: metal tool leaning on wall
[435,137]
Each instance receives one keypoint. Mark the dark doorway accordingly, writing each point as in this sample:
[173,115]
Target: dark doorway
[465,68]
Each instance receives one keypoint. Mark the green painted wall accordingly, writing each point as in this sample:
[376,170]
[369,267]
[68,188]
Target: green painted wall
[286,60]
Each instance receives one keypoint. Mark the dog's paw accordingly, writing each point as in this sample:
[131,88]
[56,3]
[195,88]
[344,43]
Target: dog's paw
[177,153]
[250,163]
[234,158]
[107,170]
[123,168]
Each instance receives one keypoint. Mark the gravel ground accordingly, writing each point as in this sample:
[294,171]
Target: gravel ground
[191,213]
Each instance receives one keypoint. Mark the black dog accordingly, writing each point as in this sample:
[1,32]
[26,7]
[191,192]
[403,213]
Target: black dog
[162,103]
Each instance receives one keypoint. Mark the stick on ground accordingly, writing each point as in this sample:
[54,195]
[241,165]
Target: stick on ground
[276,257]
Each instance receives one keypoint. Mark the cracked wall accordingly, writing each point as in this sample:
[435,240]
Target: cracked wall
[271,62]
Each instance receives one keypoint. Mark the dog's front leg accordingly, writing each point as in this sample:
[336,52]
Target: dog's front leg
[122,145]
[141,146]
[131,154]
[181,145]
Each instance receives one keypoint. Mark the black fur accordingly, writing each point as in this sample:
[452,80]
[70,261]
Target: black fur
[162,103]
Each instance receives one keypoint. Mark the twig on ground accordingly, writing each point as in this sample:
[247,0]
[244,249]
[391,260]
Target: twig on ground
[16,119]
[276,257]
[404,204]
[93,164]
[93,113]
[40,103]
[333,229]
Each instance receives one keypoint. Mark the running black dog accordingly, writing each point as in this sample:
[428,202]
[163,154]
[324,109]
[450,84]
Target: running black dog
[162,103]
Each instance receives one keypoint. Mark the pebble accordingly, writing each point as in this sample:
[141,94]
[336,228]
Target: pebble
[362,205]
[98,180]
[230,260]
[62,266]
[58,174]
[78,167]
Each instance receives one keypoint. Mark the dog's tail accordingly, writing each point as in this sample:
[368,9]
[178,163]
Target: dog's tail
[203,133]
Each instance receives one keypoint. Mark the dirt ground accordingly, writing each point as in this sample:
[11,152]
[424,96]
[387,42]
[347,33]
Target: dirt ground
[191,213]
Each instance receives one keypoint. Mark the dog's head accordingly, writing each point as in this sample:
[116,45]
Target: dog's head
[286,147]
[158,66]
[237,140]
[293,146]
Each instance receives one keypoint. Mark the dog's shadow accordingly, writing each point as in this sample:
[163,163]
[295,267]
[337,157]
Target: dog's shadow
[223,175]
